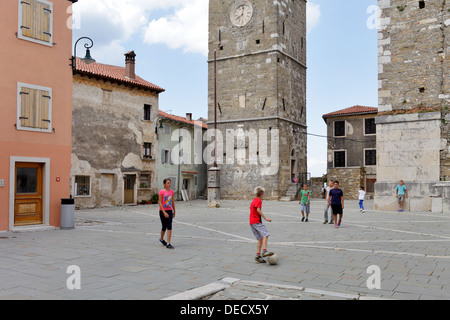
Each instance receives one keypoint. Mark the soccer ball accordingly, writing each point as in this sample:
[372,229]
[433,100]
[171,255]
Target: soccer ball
[273,259]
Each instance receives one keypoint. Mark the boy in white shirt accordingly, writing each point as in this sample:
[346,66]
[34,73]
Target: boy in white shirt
[362,195]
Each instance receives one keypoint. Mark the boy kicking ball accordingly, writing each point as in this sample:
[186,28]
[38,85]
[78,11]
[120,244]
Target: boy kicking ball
[258,228]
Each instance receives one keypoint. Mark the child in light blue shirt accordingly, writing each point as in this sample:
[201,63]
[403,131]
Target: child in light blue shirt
[401,193]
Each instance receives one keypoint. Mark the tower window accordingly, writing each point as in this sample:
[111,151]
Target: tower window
[421,4]
[339,128]
[258,41]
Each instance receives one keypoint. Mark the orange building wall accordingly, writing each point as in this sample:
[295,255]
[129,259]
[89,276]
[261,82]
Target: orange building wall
[37,64]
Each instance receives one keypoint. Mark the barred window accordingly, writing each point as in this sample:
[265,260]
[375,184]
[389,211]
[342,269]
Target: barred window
[82,186]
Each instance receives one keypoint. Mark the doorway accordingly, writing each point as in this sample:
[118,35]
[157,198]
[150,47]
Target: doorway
[28,194]
[130,181]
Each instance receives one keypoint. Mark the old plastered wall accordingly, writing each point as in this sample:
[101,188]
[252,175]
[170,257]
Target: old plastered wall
[261,84]
[414,94]
[108,133]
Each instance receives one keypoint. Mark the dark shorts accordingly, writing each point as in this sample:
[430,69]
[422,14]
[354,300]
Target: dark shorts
[166,222]
[337,208]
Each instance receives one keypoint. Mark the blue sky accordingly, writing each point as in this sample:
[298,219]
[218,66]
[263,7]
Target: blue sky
[170,40]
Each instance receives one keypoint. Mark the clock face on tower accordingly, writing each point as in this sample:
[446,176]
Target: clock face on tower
[241,13]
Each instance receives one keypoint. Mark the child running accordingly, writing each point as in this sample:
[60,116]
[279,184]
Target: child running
[336,200]
[258,228]
[305,195]
[362,195]
[166,212]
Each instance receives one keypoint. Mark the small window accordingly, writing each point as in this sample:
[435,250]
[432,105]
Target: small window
[166,156]
[339,128]
[370,157]
[421,4]
[369,126]
[147,150]
[339,159]
[147,112]
[34,108]
[36,21]
[145,181]
[82,186]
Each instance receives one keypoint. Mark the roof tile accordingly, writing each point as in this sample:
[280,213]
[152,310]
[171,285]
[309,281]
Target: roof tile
[352,110]
[116,73]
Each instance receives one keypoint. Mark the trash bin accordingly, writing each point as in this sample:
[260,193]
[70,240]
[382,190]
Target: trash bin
[67,214]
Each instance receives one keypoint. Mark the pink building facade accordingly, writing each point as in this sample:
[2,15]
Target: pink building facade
[35,113]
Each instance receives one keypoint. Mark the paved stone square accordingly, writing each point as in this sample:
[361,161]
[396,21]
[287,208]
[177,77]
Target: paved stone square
[119,255]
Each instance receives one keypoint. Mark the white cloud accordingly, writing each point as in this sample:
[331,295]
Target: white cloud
[187,28]
[317,166]
[182,24]
[312,16]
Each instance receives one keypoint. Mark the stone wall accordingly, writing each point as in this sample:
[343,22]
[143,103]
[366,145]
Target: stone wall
[350,180]
[412,128]
[261,84]
[316,185]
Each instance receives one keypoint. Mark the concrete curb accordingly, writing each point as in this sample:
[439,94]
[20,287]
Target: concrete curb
[204,291]
[215,287]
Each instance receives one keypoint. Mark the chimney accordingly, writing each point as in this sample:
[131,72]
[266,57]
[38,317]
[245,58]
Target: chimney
[130,62]
[189,116]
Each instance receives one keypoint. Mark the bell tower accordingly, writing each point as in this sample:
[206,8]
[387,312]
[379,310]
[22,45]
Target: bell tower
[260,77]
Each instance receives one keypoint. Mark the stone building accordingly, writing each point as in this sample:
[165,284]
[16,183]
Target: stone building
[260,72]
[181,134]
[114,141]
[352,150]
[414,97]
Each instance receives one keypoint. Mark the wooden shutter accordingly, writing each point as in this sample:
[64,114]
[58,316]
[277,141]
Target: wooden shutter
[27,18]
[42,110]
[163,156]
[35,108]
[43,13]
[36,20]
[26,104]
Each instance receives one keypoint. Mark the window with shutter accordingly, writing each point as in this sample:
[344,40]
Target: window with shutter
[370,156]
[339,159]
[36,21]
[34,108]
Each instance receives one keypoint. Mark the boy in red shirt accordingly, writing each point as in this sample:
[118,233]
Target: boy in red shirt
[258,228]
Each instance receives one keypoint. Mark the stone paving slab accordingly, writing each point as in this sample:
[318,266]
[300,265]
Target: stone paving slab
[118,253]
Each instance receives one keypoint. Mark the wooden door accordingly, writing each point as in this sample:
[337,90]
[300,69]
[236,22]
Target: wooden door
[370,185]
[28,199]
[130,181]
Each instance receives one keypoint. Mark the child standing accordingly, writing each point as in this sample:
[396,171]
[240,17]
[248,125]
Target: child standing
[362,195]
[336,200]
[259,229]
[166,212]
[327,205]
[401,192]
[305,195]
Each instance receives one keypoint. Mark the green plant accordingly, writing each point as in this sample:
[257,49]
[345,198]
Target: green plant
[154,198]
[401,8]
